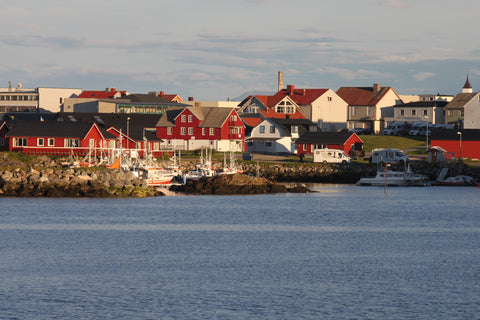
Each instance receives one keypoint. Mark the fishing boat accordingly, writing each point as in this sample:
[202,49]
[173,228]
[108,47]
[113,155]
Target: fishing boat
[395,178]
[156,176]
[459,180]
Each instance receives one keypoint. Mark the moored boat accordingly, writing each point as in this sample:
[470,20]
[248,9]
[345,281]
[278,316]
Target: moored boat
[459,180]
[395,178]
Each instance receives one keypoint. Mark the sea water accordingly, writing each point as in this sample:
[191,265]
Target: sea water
[344,252]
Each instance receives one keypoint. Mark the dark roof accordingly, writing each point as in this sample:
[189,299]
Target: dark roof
[168,118]
[324,138]
[422,104]
[460,100]
[452,134]
[136,123]
[11,117]
[147,98]
[50,128]
[467,84]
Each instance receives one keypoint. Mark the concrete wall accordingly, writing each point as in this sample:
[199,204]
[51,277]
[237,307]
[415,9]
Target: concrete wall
[51,99]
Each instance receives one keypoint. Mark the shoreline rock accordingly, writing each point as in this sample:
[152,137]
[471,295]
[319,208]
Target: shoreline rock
[236,184]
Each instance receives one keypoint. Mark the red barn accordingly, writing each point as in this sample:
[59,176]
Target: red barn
[347,142]
[57,138]
[464,143]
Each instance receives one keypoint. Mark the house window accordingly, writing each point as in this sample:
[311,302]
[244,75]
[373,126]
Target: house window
[20,142]
[402,112]
[183,118]
[272,129]
[190,131]
[425,112]
[203,131]
[2,141]
[138,145]
[169,130]
[414,112]
[72,143]
[329,99]
[183,131]
[51,142]
[212,131]
[268,143]
[262,129]
[294,129]
[304,147]
[190,118]
[40,142]
[233,118]
[156,146]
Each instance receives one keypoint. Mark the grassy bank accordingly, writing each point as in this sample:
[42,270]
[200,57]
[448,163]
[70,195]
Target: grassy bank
[397,142]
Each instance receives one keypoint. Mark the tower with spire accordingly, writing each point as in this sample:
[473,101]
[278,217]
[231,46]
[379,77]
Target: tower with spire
[467,88]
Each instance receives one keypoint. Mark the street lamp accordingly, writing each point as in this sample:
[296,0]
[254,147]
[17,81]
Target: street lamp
[460,145]
[426,148]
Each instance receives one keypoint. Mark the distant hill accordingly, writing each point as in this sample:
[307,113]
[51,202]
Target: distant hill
[252,93]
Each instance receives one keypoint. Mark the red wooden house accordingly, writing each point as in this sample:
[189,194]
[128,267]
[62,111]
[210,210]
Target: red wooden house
[194,128]
[347,142]
[463,144]
[58,138]
[137,131]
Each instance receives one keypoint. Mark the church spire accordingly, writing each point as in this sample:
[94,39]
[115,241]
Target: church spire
[467,87]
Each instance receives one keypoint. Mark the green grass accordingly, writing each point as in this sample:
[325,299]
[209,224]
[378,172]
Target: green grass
[396,142]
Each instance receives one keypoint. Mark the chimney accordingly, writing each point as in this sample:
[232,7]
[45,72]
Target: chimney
[161,94]
[290,89]
[190,98]
[280,80]
[376,88]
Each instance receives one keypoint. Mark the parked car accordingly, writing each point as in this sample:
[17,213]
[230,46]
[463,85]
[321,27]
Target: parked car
[362,131]
[397,129]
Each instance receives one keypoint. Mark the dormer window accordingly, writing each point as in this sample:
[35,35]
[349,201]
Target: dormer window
[285,107]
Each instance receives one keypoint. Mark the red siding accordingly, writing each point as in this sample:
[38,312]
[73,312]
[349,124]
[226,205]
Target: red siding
[470,149]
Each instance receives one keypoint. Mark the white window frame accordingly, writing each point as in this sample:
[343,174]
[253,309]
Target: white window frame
[190,131]
[169,131]
[40,142]
[212,131]
[51,142]
[183,131]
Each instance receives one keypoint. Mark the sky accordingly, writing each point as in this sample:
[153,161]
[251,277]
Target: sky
[220,49]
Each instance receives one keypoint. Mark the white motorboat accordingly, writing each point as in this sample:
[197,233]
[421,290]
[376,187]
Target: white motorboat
[395,178]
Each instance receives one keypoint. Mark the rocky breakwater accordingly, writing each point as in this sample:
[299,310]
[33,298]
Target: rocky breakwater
[43,176]
[230,184]
[50,182]
[319,173]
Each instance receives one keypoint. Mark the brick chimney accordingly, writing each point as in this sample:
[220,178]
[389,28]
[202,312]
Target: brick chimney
[161,94]
[190,98]
[290,89]
[376,88]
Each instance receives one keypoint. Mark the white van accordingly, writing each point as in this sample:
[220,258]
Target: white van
[330,156]
[382,155]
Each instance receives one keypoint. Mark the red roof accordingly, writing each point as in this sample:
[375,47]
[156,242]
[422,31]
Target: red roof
[252,122]
[106,94]
[299,96]
[362,96]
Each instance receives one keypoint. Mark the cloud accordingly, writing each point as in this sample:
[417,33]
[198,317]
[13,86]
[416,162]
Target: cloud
[392,4]
[352,74]
[422,76]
